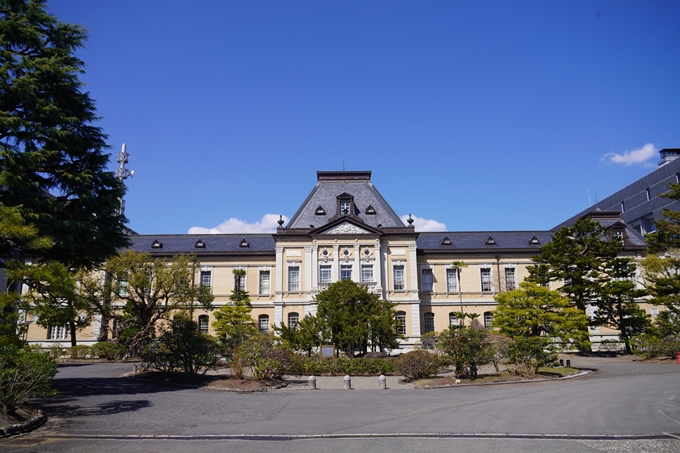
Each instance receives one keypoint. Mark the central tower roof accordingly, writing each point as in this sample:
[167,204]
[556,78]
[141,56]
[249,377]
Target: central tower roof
[345,193]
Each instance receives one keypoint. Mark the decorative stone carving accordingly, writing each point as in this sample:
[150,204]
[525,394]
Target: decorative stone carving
[346,228]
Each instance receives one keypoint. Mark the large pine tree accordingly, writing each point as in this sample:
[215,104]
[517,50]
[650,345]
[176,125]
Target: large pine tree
[52,156]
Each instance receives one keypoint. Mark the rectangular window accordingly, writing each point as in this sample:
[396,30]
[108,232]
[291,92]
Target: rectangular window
[240,282]
[399,282]
[488,319]
[345,272]
[293,319]
[452,280]
[265,282]
[293,278]
[648,195]
[427,280]
[485,275]
[453,319]
[366,273]
[263,324]
[122,288]
[206,278]
[429,322]
[59,332]
[510,279]
[203,324]
[654,311]
[401,323]
[325,273]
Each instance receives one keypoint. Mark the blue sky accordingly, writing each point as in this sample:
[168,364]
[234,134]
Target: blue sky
[484,115]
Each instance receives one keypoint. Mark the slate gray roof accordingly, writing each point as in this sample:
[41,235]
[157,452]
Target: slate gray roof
[214,243]
[475,240]
[329,186]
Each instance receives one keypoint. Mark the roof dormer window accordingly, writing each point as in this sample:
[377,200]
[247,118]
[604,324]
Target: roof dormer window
[345,204]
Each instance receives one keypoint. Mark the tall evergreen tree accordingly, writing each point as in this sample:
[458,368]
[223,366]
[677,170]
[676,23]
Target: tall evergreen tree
[52,156]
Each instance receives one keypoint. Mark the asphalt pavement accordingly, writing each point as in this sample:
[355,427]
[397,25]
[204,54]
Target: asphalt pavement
[624,405]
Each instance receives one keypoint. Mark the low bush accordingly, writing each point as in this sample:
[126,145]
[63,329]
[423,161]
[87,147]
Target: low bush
[80,351]
[109,350]
[24,374]
[649,346]
[417,364]
[346,365]
[266,359]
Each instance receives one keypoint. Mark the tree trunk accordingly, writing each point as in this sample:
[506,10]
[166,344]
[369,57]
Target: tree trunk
[72,328]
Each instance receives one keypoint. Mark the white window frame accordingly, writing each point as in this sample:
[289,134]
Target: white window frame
[399,284]
[345,267]
[401,322]
[265,289]
[365,275]
[263,320]
[427,270]
[452,283]
[293,316]
[294,277]
[325,273]
[482,280]
[514,277]
[244,279]
[453,319]
[62,332]
[488,319]
[203,273]
[203,328]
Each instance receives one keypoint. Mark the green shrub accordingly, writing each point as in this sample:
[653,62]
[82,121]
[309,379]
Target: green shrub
[265,358]
[182,348]
[24,374]
[417,364]
[109,350]
[338,366]
[80,351]
[649,346]
[527,354]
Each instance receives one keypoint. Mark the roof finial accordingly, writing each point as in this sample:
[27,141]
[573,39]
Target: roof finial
[343,159]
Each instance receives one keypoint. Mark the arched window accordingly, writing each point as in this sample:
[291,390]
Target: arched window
[429,322]
[453,319]
[401,323]
[203,323]
[293,319]
[488,319]
[263,324]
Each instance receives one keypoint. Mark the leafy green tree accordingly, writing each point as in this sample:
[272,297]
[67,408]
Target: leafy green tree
[55,296]
[536,311]
[153,290]
[53,165]
[354,318]
[306,335]
[233,323]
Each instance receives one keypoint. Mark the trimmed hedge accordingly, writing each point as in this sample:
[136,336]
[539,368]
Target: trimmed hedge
[345,365]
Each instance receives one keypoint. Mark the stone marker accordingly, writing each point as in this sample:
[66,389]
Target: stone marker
[347,382]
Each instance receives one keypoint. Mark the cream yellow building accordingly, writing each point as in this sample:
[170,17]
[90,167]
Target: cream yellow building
[345,229]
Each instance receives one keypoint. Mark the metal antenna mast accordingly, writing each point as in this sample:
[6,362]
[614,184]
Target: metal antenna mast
[123,173]
[343,159]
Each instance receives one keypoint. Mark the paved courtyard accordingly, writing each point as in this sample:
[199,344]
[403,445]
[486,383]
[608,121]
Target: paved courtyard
[623,406]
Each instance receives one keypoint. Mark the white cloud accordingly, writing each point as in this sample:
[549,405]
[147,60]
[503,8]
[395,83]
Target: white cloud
[635,156]
[423,225]
[266,225]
